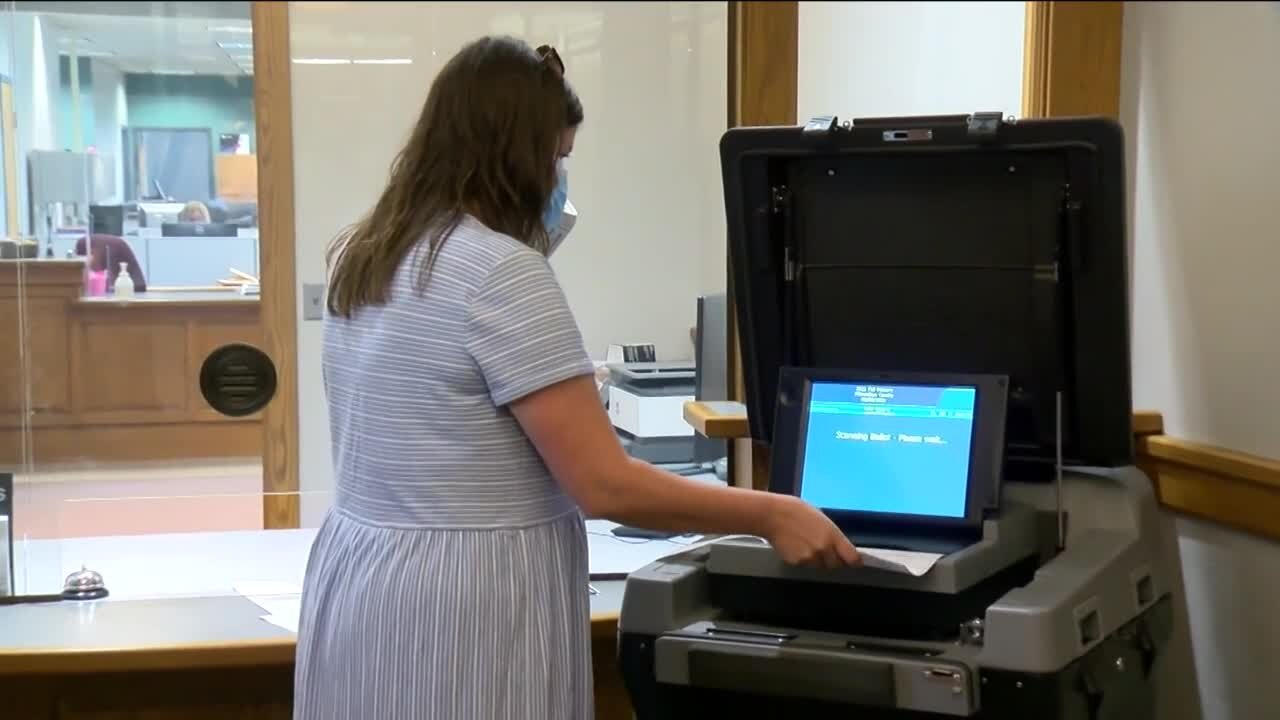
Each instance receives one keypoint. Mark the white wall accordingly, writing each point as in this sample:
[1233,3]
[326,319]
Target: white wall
[644,176]
[1200,105]
[876,59]
[35,87]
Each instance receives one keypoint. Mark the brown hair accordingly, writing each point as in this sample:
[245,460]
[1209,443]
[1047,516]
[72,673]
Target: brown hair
[486,143]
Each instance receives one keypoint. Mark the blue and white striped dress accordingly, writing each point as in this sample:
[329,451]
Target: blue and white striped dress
[450,578]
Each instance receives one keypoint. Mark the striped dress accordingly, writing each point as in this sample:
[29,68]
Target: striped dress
[449,580]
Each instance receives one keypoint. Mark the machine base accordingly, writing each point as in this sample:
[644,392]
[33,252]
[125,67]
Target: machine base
[1110,682]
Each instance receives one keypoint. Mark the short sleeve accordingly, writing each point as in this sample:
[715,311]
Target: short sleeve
[520,330]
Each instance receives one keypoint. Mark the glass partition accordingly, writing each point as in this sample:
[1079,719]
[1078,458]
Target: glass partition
[138,146]
[164,547]
[129,253]
[644,176]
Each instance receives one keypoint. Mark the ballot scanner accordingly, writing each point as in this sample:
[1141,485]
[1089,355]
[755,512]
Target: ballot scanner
[934,329]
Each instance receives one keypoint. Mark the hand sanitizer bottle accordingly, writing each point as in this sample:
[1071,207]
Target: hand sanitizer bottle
[124,283]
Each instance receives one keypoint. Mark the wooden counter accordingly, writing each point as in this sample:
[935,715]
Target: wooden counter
[114,380]
[191,659]
[181,643]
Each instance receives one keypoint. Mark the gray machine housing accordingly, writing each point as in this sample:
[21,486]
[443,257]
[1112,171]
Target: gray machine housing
[1078,636]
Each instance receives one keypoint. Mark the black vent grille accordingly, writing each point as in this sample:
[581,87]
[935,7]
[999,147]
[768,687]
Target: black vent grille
[238,380]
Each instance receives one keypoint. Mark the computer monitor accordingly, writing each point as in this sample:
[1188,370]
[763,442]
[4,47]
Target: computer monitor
[711,381]
[900,453]
[156,214]
[941,244]
[106,220]
[198,230]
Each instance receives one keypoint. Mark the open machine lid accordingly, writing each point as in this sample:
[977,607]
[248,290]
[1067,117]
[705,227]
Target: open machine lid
[963,244]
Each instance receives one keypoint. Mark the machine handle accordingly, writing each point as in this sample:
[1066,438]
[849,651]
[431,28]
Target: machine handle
[821,675]
[855,677]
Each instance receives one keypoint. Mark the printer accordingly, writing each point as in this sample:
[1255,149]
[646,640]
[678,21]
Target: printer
[935,343]
[646,406]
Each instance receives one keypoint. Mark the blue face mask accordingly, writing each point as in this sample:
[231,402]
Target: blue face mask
[559,196]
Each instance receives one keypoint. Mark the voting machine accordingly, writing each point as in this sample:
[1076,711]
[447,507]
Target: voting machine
[934,328]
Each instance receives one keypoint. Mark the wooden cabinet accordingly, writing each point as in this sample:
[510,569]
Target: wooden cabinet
[98,380]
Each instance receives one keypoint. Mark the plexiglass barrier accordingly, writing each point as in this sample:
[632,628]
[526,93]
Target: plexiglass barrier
[172,546]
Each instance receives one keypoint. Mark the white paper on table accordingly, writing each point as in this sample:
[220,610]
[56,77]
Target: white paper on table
[286,622]
[282,602]
[904,562]
[283,611]
[280,605]
[609,555]
[265,588]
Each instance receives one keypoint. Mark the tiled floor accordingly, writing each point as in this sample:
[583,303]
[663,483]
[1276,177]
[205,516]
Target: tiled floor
[60,502]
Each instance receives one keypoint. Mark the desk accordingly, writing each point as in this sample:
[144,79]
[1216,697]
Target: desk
[201,652]
[115,380]
[190,261]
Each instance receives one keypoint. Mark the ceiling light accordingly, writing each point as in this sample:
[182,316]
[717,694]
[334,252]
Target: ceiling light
[172,71]
[235,46]
[322,61]
[87,53]
[384,61]
[231,29]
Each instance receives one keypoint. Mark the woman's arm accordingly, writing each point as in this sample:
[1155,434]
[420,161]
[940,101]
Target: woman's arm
[571,431]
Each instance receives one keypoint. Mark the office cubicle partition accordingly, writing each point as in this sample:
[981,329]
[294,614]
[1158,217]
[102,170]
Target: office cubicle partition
[172,163]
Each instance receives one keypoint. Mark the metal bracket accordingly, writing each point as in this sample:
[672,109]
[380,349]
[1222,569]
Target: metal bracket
[821,125]
[984,125]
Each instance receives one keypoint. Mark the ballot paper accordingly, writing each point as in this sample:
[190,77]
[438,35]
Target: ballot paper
[902,562]
[899,561]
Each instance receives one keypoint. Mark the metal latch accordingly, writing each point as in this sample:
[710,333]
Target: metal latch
[984,125]
[821,125]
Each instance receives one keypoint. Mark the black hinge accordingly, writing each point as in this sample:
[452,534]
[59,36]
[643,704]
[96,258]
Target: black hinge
[780,204]
[780,199]
[1073,229]
[984,125]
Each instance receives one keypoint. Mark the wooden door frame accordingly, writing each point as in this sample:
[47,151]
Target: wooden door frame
[273,111]
[1071,66]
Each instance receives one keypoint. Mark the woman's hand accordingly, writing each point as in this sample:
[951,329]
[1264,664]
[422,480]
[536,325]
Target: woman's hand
[802,535]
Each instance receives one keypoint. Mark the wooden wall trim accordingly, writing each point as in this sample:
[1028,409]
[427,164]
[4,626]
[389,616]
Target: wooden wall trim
[1071,59]
[1235,489]
[1147,422]
[764,45]
[273,100]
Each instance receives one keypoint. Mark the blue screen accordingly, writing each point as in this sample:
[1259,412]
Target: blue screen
[888,448]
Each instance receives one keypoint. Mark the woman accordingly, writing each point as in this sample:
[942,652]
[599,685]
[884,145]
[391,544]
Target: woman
[194,212]
[449,579]
[107,253]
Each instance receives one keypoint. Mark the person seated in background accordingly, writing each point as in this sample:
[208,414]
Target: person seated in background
[107,252]
[241,213]
[194,212]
